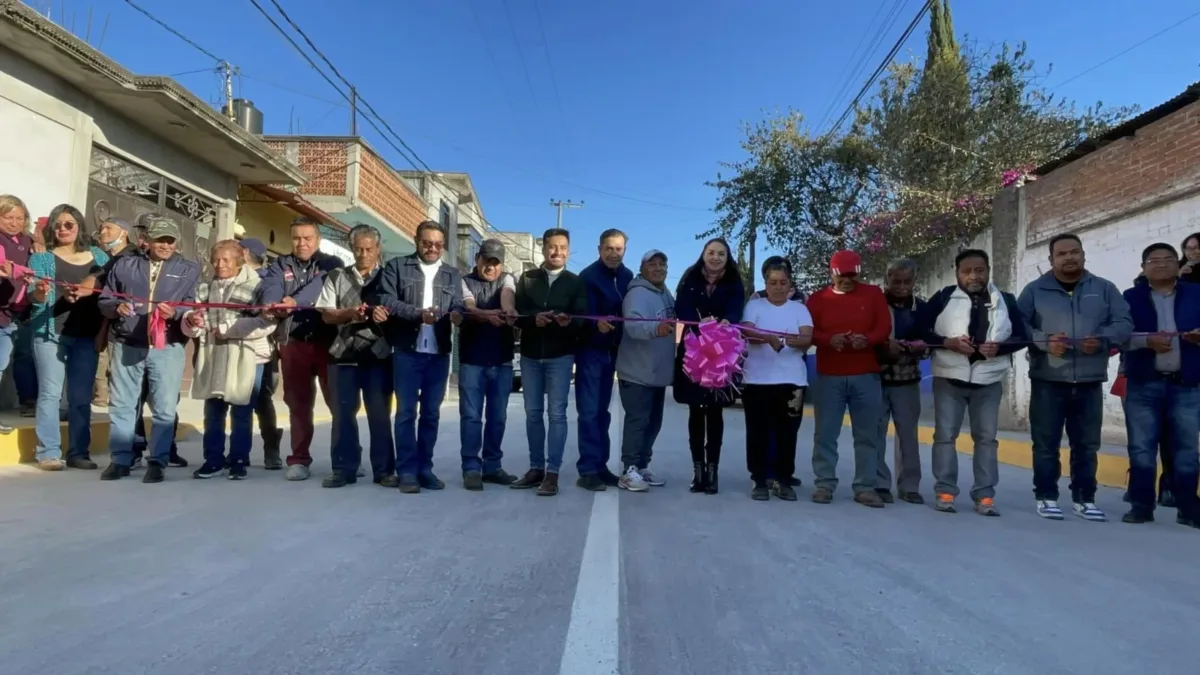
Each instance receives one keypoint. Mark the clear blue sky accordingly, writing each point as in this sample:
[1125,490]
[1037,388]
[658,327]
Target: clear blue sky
[639,99]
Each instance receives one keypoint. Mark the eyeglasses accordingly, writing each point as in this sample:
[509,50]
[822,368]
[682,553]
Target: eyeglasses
[66,226]
[425,243]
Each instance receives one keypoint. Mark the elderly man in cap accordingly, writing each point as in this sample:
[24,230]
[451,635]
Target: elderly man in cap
[162,277]
[113,237]
[850,321]
[485,379]
[255,254]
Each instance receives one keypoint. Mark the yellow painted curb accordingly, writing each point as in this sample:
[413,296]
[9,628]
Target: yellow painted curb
[20,445]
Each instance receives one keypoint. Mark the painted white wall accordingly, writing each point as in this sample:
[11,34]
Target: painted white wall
[331,248]
[49,127]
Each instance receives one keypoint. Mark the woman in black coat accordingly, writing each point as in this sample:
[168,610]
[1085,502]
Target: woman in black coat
[710,289]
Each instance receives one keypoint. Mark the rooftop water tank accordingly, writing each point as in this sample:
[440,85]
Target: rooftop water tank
[246,115]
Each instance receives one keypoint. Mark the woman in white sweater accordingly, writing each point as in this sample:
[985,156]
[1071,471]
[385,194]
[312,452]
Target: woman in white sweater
[231,348]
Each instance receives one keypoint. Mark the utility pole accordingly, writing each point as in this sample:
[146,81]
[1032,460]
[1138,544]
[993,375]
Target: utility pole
[353,110]
[560,205]
[226,71]
[752,237]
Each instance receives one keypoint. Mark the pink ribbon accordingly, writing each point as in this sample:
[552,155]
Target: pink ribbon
[713,355]
[19,272]
[158,329]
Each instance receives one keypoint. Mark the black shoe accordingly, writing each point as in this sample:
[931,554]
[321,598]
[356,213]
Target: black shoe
[886,496]
[81,463]
[114,471]
[392,481]
[760,492]
[176,461]
[429,481]
[337,479]
[912,497]
[1190,522]
[409,485]
[609,478]
[782,490]
[154,473]
[1166,499]
[237,472]
[209,470]
[1137,518]
[591,482]
[532,478]
[711,484]
[473,481]
[499,477]
[795,482]
[699,477]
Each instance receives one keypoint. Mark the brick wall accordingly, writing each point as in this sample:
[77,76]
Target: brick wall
[326,162]
[387,193]
[1159,163]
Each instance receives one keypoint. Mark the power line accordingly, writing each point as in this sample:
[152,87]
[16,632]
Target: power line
[1125,51]
[887,60]
[174,32]
[562,118]
[858,58]
[520,54]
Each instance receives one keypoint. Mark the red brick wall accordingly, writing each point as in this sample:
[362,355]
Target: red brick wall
[385,192]
[1160,161]
[326,162]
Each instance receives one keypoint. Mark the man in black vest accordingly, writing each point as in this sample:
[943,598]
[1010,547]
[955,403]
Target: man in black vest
[485,376]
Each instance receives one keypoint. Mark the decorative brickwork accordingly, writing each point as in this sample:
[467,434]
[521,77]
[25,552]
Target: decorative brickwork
[384,191]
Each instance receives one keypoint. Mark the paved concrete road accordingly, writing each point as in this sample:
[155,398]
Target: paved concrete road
[265,577]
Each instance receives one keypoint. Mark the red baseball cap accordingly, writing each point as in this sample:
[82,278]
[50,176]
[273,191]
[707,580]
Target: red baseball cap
[845,263]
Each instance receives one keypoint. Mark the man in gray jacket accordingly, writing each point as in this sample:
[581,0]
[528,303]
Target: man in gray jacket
[645,367]
[1074,319]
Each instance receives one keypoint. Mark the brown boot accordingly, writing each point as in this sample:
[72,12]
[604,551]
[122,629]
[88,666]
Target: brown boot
[531,479]
[549,486]
[869,498]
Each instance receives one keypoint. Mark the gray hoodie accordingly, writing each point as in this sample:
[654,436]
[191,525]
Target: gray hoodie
[645,358]
[1095,309]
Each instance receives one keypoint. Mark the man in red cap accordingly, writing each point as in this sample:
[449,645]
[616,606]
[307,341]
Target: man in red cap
[849,321]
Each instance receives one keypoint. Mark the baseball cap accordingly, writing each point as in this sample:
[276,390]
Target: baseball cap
[845,263]
[254,246]
[158,227]
[652,254]
[119,222]
[492,249]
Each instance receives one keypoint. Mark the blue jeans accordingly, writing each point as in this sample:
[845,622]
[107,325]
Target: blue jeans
[863,396]
[547,384]
[1158,410]
[16,347]
[164,370]
[1081,408]
[241,428]
[73,362]
[594,373]
[371,383]
[418,378]
[483,392]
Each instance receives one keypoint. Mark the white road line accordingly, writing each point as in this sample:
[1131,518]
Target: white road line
[592,646]
[593,635]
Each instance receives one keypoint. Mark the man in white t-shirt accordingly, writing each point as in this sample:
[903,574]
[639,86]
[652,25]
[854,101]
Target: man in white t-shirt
[775,377]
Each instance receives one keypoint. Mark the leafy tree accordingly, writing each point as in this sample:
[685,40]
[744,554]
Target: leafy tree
[952,133]
[805,195]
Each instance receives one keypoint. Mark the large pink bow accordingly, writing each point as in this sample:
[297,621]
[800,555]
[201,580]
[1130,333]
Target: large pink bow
[713,355]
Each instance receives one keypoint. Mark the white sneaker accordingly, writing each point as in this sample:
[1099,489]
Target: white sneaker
[297,472]
[651,479]
[1089,511]
[633,481]
[1049,509]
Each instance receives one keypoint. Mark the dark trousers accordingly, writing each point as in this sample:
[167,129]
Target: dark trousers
[769,424]
[594,373]
[303,364]
[1154,411]
[706,430]
[643,420]
[368,384]
[1080,407]
[264,406]
[420,381]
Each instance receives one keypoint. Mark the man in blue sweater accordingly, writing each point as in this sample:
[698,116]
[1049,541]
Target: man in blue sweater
[606,281]
[1162,374]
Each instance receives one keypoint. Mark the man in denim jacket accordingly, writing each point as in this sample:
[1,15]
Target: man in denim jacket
[163,277]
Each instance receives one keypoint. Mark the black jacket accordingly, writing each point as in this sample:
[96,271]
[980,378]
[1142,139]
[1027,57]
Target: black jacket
[535,295]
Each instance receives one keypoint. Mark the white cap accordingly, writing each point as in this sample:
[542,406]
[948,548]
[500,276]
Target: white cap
[651,254]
